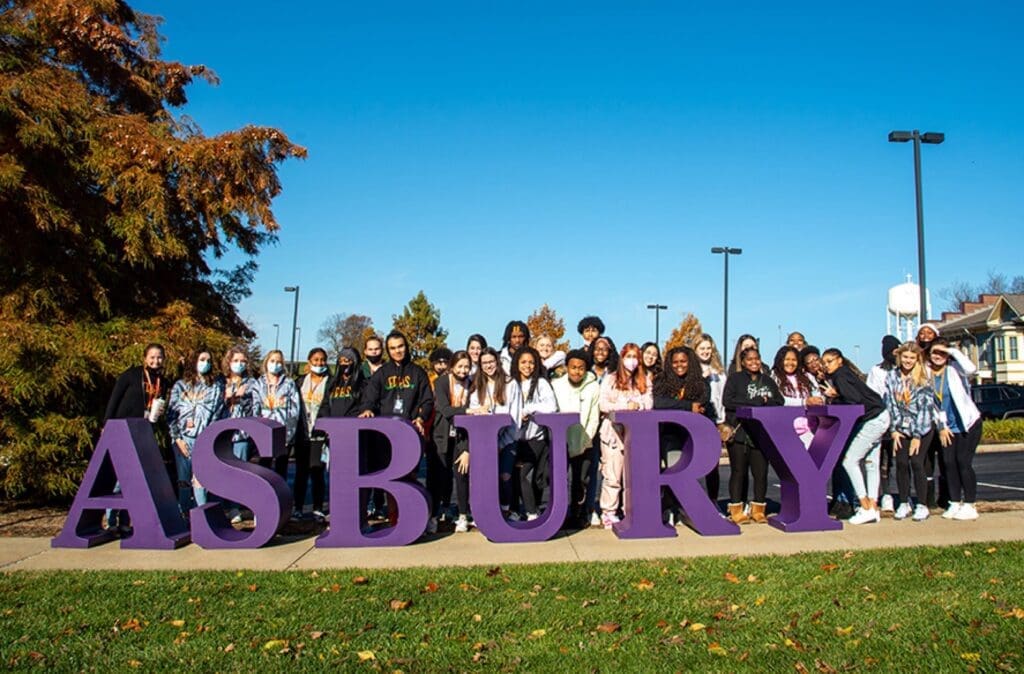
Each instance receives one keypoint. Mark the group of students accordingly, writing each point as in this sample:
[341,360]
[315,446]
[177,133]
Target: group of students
[917,406]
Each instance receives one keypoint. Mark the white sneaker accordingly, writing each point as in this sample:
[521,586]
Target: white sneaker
[887,505]
[595,520]
[432,526]
[903,512]
[531,516]
[865,516]
[966,511]
[921,512]
[609,519]
[235,516]
[669,518]
[461,524]
[951,511]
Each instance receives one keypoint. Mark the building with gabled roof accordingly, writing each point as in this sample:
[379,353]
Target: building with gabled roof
[991,330]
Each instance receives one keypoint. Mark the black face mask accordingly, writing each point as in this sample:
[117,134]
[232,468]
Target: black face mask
[345,369]
[375,359]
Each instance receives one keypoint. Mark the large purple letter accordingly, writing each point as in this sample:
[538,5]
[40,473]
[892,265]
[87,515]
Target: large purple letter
[260,489]
[346,481]
[483,477]
[803,473]
[644,477]
[126,453]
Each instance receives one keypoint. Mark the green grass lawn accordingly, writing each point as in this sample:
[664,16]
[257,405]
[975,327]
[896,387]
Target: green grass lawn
[918,609]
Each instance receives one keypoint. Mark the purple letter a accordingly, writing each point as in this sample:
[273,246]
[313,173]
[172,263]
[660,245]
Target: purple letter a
[126,453]
[346,481]
[803,473]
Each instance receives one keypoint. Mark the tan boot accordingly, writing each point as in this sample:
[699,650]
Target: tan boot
[736,513]
[757,513]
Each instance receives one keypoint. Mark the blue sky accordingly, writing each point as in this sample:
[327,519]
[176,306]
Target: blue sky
[588,155]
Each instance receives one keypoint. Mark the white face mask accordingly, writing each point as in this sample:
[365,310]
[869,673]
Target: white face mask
[630,363]
[275,367]
[318,369]
[238,368]
[203,366]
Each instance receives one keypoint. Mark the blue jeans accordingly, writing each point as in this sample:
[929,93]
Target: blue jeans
[187,487]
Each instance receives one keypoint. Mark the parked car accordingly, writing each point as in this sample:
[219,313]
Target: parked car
[999,401]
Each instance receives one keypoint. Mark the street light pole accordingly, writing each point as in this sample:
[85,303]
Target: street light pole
[295,321]
[277,336]
[726,251]
[930,138]
[657,309]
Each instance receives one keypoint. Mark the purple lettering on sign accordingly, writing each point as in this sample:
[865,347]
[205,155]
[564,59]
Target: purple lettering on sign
[482,431]
[803,473]
[644,478]
[258,488]
[347,479]
[126,453]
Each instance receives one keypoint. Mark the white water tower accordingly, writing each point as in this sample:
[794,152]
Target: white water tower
[903,312]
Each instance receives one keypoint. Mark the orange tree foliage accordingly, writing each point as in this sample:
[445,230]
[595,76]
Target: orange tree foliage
[111,209]
[687,333]
[544,321]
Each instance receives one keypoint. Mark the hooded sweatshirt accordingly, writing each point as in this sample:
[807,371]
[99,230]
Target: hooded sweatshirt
[399,390]
[584,400]
[878,373]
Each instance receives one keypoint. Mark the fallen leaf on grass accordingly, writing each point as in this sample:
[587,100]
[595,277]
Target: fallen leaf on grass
[431,587]
[275,644]
[609,627]
[366,655]
[178,623]
[696,627]
[824,667]
[751,578]
[360,580]
[970,657]
[829,568]
[537,634]
[229,648]
[400,604]
[477,617]
[731,577]
[132,625]
[990,550]
[644,584]
[844,631]
[715,648]
[134,663]
[760,600]
[137,583]
[316,635]
[491,573]
[589,602]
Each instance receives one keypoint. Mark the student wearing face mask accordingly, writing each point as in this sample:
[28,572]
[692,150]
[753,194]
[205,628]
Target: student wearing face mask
[139,392]
[344,393]
[311,444]
[451,398]
[630,388]
[196,401]
[372,445]
[236,383]
[373,356]
[275,396]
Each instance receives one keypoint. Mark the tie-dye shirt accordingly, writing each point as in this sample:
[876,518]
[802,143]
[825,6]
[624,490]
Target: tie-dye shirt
[193,406]
[279,402]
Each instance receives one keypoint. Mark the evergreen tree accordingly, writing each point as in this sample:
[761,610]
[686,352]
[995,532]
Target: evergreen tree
[111,208]
[420,322]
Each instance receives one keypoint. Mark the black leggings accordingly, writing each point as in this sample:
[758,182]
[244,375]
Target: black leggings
[742,455]
[905,462]
[534,473]
[959,460]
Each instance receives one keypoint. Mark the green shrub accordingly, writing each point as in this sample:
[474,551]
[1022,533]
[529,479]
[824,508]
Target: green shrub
[1006,430]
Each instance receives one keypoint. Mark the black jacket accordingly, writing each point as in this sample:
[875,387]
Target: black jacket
[344,395]
[743,390]
[444,415]
[128,400]
[405,384]
[853,391]
[672,436]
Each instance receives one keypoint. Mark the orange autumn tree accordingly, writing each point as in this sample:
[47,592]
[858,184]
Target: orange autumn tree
[544,321]
[687,333]
[113,210]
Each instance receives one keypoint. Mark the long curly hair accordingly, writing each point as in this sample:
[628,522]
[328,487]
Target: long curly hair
[670,385]
[803,384]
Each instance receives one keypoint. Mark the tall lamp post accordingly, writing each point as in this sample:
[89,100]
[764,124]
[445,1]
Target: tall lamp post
[295,321]
[657,309]
[930,138]
[277,336]
[726,251]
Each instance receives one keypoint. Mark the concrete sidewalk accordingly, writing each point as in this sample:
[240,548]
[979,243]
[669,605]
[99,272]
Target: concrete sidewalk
[35,554]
